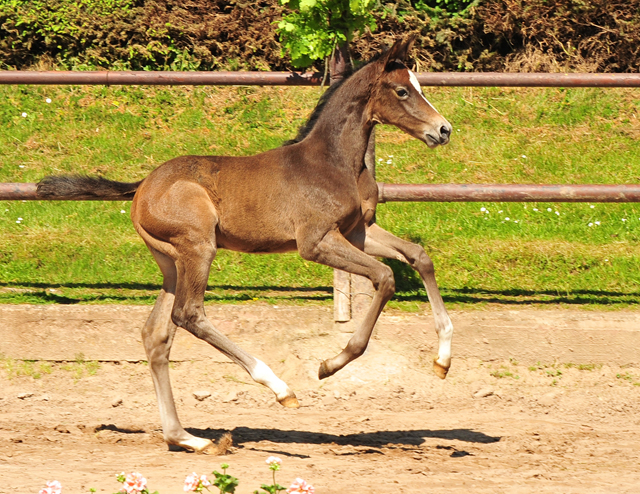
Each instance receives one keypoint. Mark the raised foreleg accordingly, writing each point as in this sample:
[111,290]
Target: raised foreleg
[378,242]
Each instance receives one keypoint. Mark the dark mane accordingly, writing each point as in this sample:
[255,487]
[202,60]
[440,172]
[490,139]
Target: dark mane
[305,129]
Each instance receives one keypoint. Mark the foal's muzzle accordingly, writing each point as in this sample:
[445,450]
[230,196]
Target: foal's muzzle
[438,136]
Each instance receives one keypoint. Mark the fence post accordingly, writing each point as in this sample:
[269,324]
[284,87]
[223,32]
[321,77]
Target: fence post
[338,65]
[352,294]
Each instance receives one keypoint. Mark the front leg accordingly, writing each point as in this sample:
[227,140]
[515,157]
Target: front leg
[335,251]
[380,243]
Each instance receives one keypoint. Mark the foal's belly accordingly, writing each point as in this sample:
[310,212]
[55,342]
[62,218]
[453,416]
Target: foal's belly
[254,244]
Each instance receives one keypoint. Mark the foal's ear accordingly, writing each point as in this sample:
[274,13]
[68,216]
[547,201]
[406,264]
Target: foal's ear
[398,52]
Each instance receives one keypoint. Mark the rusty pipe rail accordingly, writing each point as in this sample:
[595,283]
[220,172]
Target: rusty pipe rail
[159,78]
[504,79]
[434,193]
[222,78]
[507,193]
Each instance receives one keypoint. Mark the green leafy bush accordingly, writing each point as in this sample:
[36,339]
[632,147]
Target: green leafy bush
[315,27]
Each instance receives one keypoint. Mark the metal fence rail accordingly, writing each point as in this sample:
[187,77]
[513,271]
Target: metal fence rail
[222,78]
[507,193]
[429,193]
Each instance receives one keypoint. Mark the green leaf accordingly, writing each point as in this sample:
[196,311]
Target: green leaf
[307,4]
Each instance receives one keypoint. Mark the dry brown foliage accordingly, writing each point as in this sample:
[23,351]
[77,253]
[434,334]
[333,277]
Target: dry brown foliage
[497,35]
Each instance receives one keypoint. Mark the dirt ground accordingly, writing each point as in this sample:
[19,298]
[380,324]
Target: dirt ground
[384,424]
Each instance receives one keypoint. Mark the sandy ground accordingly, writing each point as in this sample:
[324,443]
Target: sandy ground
[384,424]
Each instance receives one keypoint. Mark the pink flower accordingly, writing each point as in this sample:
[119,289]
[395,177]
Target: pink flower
[53,487]
[301,486]
[134,483]
[195,483]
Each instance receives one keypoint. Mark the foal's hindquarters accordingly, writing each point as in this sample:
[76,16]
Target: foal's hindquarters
[175,216]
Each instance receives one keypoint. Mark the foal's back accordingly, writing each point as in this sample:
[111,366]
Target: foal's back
[256,202]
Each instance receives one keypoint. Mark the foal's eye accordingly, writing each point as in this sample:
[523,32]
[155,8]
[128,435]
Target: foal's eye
[402,92]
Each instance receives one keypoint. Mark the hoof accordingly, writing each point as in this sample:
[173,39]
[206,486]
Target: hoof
[324,372]
[290,402]
[440,370]
[197,445]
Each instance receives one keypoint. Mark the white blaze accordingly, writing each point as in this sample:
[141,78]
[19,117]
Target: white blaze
[416,84]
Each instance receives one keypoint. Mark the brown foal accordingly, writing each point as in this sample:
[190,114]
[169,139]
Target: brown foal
[314,195]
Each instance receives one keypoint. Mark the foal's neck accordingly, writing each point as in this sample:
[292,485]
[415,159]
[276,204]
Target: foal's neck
[344,126]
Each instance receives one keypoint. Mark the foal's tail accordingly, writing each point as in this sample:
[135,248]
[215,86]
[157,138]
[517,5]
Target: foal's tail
[83,187]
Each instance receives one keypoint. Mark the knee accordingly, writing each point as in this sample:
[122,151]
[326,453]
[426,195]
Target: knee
[309,251]
[423,263]
[385,282]
[186,317]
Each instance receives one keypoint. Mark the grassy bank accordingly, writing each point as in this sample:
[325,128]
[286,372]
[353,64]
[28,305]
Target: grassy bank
[585,255]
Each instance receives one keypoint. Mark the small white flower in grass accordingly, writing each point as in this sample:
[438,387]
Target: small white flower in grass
[590,224]
[535,209]
[24,114]
[592,206]
[48,100]
[507,218]
[500,211]
[624,219]
[483,209]
[524,156]
[20,166]
[515,221]
[389,162]
[301,486]
[391,156]
[606,260]
[122,211]
[458,130]
[557,213]
[379,159]
[52,487]
[549,210]
[597,223]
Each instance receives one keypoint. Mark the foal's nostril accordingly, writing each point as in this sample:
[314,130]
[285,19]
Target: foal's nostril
[445,131]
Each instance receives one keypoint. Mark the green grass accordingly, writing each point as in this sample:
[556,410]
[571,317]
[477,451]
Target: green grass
[27,368]
[35,369]
[88,252]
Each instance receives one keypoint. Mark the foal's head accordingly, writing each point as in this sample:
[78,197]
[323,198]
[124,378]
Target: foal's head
[398,100]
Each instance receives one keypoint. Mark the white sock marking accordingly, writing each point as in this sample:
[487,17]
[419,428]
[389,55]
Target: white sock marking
[416,84]
[444,341]
[262,374]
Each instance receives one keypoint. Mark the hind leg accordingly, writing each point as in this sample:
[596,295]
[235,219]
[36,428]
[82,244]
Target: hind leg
[157,337]
[193,263]
[178,221]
